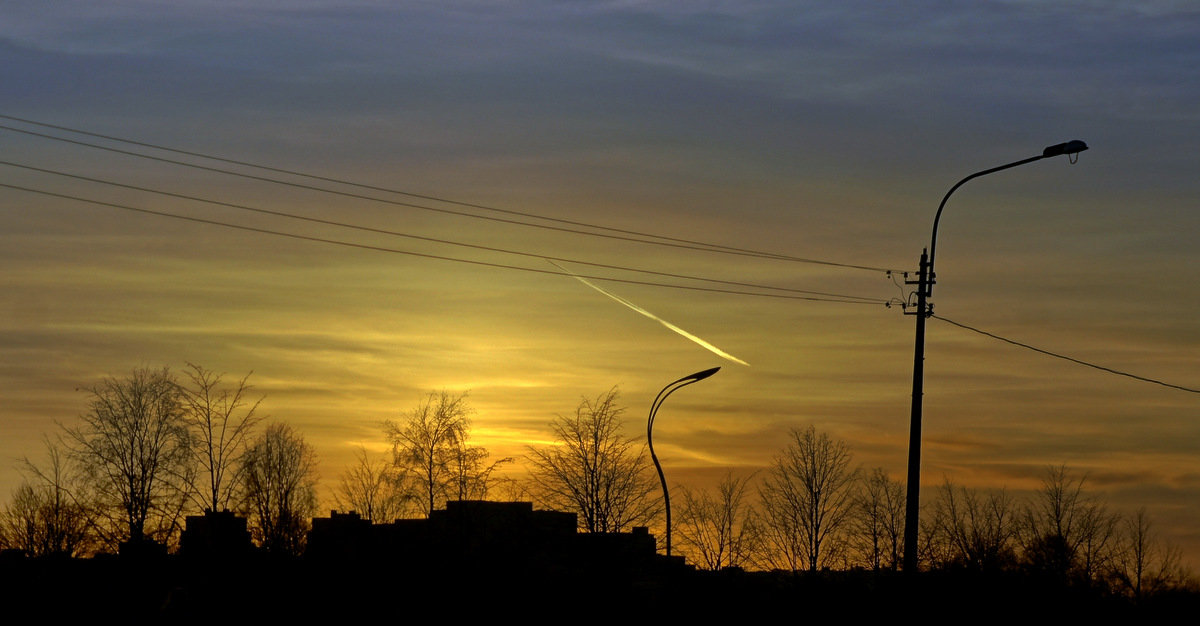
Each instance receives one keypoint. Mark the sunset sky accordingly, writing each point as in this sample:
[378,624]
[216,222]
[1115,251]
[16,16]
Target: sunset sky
[821,131]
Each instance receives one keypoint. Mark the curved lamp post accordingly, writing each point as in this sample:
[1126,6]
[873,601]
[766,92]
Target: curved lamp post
[658,400]
[923,310]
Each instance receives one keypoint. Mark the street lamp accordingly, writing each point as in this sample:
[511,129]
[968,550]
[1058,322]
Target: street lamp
[658,400]
[923,309]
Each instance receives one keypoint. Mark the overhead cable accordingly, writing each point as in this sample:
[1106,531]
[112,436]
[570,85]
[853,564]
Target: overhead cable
[1064,357]
[629,235]
[361,246]
[393,233]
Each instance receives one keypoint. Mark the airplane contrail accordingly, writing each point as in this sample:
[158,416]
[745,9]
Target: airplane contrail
[704,344]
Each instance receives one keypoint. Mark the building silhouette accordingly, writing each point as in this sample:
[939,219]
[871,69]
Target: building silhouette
[215,536]
[477,535]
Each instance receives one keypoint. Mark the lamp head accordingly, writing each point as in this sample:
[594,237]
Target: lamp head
[702,375]
[1074,146]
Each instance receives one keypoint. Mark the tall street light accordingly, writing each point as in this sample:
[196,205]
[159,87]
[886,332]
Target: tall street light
[923,310]
[658,400]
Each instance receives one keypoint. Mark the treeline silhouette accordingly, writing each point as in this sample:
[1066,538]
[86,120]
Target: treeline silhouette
[155,451]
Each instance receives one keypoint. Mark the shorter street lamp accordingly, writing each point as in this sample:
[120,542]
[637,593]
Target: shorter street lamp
[658,400]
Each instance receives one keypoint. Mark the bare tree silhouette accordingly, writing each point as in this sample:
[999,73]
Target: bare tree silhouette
[974,530]
[432,446]
[808,500]
[878,525]
[50,512]
[135,450]
[279,478]
[221,419]
[1145,563]
[719,531]
[595,470]
[1067,532]
[374,489]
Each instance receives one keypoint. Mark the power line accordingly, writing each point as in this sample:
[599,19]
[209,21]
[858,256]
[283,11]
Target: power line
[424,238]
[361,246]
[422,207]
[1064,357]
[663,240]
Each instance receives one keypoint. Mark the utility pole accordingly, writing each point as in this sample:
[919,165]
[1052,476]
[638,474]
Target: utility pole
[912,506]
